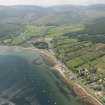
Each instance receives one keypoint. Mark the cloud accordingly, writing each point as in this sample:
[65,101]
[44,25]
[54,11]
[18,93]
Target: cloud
[50,2]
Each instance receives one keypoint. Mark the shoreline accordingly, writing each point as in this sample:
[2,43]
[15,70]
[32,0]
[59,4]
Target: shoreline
[57,65]
[77,88]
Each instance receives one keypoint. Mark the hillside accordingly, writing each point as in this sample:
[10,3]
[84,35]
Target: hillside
[14,19]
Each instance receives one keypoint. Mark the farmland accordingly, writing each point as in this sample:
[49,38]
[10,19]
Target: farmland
[84,58]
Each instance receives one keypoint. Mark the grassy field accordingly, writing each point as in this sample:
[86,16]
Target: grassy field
[44,31]
[80,53]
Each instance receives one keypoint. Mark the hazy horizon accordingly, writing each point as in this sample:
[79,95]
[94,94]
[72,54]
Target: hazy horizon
[50,2]
[51,5]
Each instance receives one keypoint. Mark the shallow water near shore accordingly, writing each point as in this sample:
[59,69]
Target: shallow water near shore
[26,79]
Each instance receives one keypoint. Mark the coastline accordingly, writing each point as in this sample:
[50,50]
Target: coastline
[77,88]
[57,65]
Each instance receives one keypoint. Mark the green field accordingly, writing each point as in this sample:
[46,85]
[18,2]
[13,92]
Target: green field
[80,53]
[32,31]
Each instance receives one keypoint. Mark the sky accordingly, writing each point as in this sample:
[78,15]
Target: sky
[50,2]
